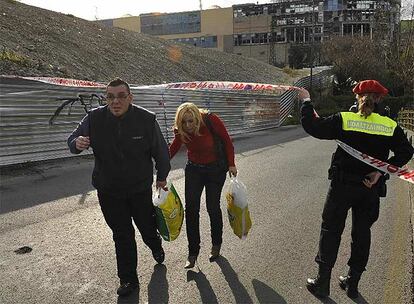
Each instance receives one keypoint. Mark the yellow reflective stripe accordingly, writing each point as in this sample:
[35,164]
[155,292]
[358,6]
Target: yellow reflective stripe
[373,124]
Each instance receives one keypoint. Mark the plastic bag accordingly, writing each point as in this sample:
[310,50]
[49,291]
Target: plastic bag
[169,212]
[237,208]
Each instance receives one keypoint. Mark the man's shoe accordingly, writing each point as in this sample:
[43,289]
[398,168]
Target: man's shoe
[190,261]
[126,289]
[215,252]
[159,256]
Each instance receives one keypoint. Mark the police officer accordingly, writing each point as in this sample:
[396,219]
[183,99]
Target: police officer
[354,184]
[125,139]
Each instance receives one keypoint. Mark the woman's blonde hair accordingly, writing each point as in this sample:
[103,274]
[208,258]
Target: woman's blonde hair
[366,103]
[195,112]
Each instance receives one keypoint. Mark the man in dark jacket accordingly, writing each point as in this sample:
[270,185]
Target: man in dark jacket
[354,184]
[125,138]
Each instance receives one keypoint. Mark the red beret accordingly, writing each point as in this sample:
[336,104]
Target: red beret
[370,86]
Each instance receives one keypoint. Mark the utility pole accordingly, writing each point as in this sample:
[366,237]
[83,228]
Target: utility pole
[96,13]
[201,5]
[311,46]
[272,41]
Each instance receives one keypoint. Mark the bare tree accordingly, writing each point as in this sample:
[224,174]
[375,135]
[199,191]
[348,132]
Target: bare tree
[355,57]
[401,59]
[388,57]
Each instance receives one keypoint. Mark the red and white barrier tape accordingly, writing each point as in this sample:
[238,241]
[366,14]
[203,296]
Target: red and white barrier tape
[66,82]
[394,171]
[224,85]
[194,85]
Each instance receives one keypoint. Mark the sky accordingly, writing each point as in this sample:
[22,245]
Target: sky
[106,9]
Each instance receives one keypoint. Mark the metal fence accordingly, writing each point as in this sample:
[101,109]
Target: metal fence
[406,119]
[26,107]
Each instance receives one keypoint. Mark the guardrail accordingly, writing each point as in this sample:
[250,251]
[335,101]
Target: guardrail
[26,107]
[406,119]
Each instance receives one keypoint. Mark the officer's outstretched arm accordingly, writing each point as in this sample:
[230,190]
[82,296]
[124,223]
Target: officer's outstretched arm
[319,127]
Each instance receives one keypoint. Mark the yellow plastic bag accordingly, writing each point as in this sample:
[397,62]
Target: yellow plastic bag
[169,213]
[237,208]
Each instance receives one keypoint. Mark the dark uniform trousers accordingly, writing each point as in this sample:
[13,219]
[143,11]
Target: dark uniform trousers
[196,178]
[118,213]
[364,202]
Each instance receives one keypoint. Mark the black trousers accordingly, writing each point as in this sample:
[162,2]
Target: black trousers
[196,178]
[118,212]
[364,203]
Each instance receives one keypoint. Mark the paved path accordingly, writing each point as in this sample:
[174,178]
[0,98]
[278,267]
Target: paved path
[53,209]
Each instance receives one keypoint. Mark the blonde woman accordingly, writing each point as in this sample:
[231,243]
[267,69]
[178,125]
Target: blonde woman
[200,132]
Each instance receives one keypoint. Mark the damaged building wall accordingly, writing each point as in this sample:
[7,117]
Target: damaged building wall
[267,32]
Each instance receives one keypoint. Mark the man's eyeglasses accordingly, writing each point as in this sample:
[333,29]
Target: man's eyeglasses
[120,97]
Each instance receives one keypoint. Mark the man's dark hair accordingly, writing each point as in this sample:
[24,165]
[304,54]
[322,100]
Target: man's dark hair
[117,82]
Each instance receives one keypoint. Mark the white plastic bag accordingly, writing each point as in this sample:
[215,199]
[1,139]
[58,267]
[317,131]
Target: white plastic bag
[239,192]
[237,208]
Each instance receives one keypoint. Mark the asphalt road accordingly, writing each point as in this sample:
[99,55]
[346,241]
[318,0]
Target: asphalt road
[53,209]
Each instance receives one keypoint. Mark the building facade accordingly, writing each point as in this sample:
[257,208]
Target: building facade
[268,32]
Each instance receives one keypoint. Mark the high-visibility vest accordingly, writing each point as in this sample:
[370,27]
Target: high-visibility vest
[373,124]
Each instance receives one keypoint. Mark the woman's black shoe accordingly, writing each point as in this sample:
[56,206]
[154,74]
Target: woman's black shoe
[126,288]
[159,256]
[191,260]
[215,253]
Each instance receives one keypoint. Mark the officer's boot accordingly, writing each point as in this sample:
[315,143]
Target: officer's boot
[350,283]
[320,286]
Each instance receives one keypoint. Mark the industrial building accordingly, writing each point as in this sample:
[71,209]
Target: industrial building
[267,32]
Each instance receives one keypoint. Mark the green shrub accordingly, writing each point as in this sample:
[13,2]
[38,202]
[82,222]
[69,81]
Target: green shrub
[396,103]
[6,55]
[329,105]
[291,72]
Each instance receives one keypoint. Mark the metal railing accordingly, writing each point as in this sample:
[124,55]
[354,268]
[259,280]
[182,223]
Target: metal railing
[406,119]
[27,106]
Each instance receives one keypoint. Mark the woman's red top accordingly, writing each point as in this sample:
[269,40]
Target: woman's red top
[200,149]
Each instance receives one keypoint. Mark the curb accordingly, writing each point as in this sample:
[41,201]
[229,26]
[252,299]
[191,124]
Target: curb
[410,136]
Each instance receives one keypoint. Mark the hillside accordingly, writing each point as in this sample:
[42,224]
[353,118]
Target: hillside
[38,42]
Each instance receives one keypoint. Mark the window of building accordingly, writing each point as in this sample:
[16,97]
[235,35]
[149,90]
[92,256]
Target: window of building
[205,42]
[238,39]
[246,39]
[167,24]
[367,30]
[347,29]
[290,34]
